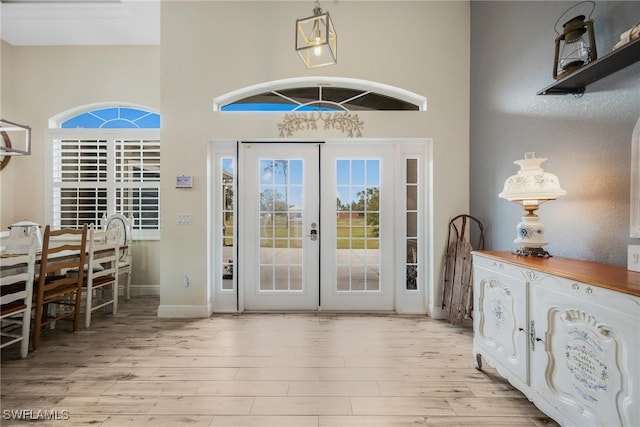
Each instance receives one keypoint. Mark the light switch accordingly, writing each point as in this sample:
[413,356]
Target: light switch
[183,219]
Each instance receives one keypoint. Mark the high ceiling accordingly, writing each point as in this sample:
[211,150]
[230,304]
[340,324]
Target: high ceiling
[80,22]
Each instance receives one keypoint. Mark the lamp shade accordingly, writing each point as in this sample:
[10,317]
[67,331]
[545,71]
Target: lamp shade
[531,183]
[316,39]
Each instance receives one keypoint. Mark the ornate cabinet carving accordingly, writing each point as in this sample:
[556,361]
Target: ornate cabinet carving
[587,369]
[582,337]
[500,320]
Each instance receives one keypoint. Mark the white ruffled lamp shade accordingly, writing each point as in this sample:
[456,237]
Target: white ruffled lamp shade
[531,187]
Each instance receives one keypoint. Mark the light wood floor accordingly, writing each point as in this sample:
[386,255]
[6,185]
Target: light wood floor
[259,370]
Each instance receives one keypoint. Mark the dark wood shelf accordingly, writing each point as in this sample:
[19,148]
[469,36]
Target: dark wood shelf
[576,82]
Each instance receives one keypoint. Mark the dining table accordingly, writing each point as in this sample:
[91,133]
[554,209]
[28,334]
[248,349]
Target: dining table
[55,258]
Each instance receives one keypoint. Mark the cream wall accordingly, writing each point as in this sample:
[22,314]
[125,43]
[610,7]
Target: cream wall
[40,82]
[211,48]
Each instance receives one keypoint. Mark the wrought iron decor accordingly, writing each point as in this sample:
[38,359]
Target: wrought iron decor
[344,122]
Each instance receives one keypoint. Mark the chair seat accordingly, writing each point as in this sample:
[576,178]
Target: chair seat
[96,269]
[60,291]
[101,281]
[14,307]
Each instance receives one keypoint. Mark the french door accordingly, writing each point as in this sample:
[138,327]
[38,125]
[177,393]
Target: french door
[279,242]
[317,221]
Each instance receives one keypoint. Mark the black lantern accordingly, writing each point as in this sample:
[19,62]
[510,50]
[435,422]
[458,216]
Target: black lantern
[576,45]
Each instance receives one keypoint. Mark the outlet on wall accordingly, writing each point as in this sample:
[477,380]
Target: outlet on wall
[186,280]
[633,260]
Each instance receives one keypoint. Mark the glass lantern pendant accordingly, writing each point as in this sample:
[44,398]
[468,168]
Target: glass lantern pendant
[316,39]
[575,46]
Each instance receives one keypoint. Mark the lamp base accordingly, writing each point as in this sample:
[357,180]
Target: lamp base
[533,252]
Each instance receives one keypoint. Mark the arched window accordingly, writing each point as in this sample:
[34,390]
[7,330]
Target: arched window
[320,94]
[114,118]
[106,159]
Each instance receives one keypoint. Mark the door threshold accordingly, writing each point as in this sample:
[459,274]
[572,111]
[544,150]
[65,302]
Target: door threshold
[325,312]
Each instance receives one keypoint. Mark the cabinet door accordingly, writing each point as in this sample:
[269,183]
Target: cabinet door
[585,361]
[500,321]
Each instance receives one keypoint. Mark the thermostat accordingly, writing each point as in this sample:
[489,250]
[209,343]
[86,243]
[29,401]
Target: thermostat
[184,181]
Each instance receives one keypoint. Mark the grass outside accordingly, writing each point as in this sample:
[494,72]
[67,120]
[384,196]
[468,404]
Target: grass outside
[352,233]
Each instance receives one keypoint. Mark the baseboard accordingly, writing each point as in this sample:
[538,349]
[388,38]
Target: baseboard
[145,290]
[185,311]
[436,312]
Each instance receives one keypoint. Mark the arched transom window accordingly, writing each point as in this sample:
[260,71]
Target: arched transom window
[320,94]
[114,118]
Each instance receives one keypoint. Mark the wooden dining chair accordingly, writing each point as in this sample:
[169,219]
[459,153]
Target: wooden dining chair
[102,271]
[16,292]
[58,296]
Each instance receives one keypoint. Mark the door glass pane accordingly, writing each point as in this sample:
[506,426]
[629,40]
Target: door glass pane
[358,225]
[281,216]
[228,230]
[411,235]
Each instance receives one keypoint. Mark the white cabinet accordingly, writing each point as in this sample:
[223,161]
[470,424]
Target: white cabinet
[564,332]
[500,320]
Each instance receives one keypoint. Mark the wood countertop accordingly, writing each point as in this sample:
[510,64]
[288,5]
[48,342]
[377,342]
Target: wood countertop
[606,276]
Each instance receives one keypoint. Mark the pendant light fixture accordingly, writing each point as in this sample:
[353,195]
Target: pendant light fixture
[316,39]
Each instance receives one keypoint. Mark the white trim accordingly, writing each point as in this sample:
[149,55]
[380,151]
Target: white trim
[414,146]
[101,22]
[635,182]
[223,301]
[359,84]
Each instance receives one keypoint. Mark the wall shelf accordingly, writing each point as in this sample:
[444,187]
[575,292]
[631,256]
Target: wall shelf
[613,61]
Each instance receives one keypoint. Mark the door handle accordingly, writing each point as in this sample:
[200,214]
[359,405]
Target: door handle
[314,232]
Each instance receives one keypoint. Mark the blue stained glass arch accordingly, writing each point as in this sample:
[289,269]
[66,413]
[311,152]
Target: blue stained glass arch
[114,118]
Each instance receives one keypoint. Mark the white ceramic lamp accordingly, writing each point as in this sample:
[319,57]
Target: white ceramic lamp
[531,187]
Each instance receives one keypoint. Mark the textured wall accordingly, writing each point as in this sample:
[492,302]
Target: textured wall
[587,140]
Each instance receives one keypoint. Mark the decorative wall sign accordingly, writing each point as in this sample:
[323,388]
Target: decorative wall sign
[344,122]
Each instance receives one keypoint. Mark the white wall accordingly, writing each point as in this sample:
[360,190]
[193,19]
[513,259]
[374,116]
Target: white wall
[211,48]
[40,82]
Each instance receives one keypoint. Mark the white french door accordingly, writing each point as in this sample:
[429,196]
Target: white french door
[322,226]
[280,211]
[357,251]
[317,223]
